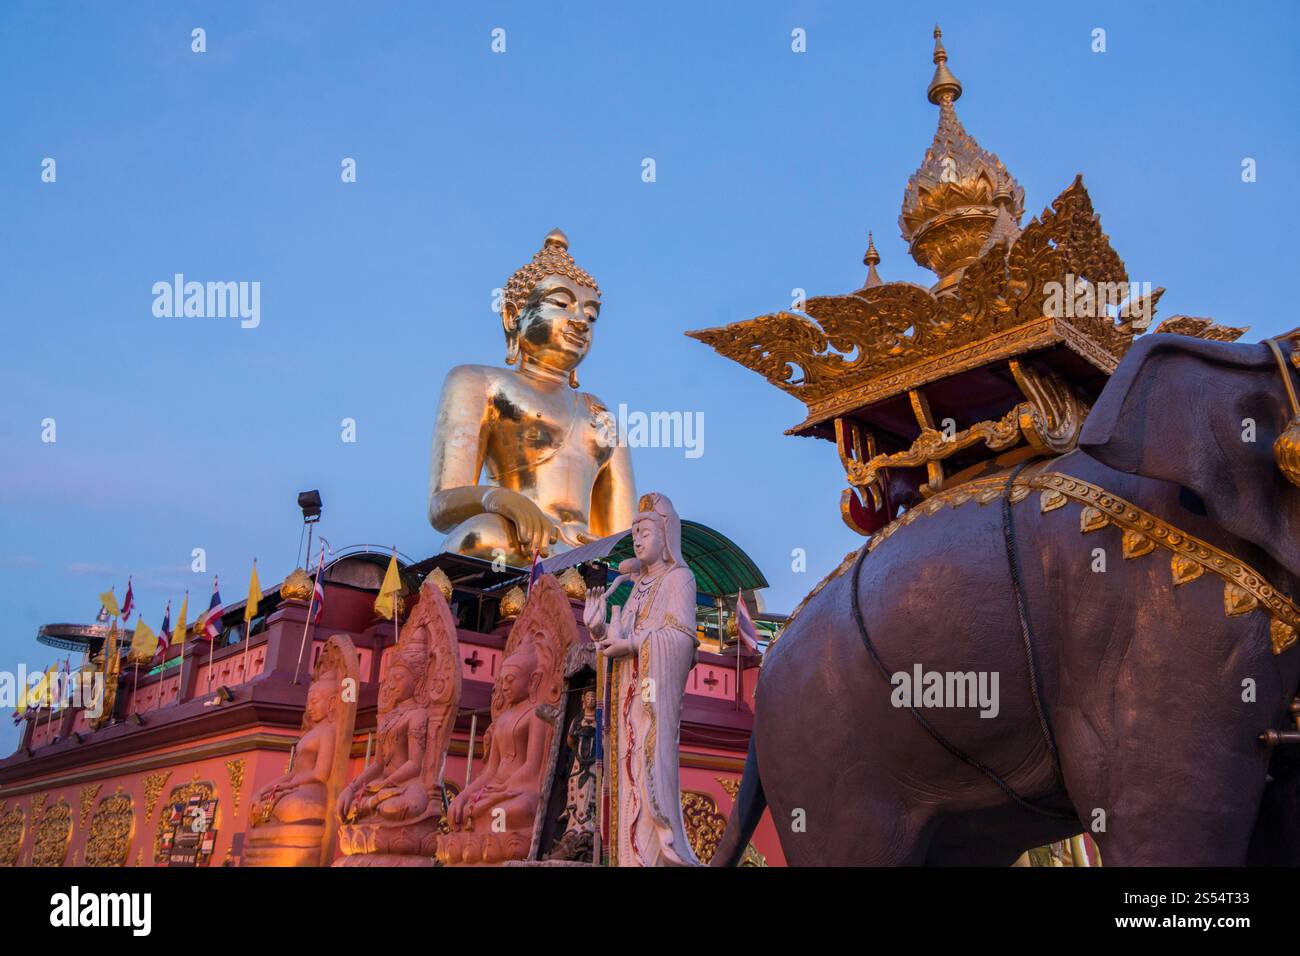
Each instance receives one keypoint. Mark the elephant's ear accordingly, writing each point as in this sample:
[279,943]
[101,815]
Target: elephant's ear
[1180,409]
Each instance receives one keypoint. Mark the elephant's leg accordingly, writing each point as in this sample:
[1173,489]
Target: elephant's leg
[856,819]
[1180,814]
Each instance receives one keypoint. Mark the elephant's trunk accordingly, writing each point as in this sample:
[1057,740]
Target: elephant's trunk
[750,804]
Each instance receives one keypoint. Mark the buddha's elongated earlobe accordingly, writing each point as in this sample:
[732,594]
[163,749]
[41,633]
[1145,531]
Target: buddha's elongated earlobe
[510,322]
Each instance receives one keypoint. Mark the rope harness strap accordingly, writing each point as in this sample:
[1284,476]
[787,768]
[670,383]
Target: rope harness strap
[1009,537]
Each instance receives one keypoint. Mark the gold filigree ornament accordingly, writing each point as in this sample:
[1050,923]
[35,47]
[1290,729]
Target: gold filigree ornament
[1244,589]
[704,824]
[574,585]
[439,577]
[153,785]
[52,835]
[848,351]
[13,827]
[111,830]
[512,603]
[235,770]
[88,794]
[1286,450]
[1050,304]
[297,586]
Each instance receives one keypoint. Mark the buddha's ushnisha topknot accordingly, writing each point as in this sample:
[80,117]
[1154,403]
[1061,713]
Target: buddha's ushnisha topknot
[552,259]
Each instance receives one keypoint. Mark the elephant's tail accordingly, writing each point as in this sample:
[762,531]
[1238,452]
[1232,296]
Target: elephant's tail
[750,804]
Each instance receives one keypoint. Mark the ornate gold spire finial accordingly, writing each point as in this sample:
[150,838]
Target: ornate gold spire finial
[960,192]
[871,260]
[944,82]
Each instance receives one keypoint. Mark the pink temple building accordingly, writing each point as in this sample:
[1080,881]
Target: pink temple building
[194,738]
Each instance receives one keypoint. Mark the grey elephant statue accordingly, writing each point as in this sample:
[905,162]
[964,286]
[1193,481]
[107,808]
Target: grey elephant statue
[1119,621]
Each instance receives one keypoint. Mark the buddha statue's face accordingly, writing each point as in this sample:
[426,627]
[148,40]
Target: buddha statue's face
[648,540]
[516,676]
[555,327]
[318,701]
[398,685]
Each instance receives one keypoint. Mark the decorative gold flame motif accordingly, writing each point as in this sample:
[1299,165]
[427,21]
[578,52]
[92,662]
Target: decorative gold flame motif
[961,194]
[297,586]
[996,299]
[574,586]
[512,603]
[443,583]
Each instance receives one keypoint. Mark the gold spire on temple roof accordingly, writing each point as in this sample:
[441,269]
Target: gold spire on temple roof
[944,82]
[871,259]
[960,193]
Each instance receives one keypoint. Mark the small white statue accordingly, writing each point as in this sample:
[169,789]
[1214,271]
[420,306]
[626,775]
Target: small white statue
[651,641]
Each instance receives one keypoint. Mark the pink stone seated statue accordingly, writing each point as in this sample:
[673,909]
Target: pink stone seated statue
[290,819]
[493,820]
[389,814]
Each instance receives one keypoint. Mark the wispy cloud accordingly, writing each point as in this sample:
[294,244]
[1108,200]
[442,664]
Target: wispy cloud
[81,569]
[20,561]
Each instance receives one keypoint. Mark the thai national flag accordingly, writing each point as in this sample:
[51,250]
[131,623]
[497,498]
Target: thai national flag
[745,624]
[318,590]
[128,605]
[318,600]
[212,621]
[164,633]
[532,572]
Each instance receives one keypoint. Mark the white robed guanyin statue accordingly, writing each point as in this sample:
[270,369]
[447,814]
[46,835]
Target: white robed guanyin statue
[651,642]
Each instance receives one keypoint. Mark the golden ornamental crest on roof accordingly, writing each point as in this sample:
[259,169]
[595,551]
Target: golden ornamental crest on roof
[1011,345]
[997,296]
[961,194]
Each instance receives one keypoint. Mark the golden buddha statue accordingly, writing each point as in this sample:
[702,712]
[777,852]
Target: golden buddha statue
[556,478]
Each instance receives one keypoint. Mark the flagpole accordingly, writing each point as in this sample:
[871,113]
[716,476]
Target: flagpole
[49,703]
[739,644]
[397,615]
[311,603]
[180,679]
[248,629]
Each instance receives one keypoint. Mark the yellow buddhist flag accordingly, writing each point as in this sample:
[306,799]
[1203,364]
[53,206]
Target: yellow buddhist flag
[40,695]
[34,694]
[178,635]
[386,603]
[109,600]
[254,595]
[143,643]
[51,681]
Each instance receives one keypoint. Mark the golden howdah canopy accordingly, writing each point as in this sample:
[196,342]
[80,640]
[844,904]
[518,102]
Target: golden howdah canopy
[1010,345]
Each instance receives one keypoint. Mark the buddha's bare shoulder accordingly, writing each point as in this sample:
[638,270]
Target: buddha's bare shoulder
[593,402]
[470,379]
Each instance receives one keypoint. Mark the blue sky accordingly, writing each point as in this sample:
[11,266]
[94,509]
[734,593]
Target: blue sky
[771,167]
